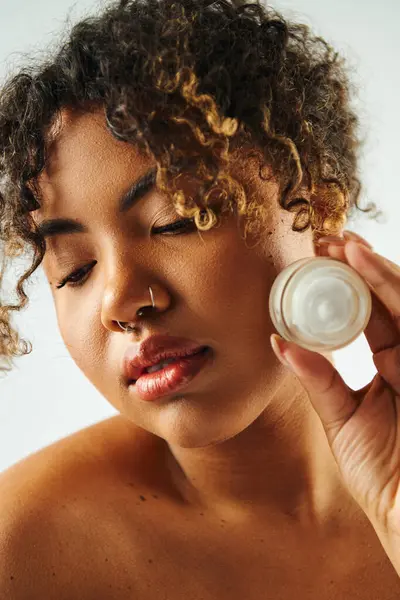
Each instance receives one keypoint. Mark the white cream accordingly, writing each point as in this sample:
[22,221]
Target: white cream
[320,303]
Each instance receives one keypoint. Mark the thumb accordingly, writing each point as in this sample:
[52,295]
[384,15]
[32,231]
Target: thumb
[327,391]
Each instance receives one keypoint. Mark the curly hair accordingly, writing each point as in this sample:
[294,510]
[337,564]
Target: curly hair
[186,82]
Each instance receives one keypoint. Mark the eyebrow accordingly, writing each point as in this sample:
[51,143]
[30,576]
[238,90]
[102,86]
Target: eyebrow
[51,228]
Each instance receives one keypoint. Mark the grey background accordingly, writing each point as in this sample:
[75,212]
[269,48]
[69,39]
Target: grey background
[46,397]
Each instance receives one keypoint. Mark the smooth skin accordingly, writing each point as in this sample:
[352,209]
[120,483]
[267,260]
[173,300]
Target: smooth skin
[229,489]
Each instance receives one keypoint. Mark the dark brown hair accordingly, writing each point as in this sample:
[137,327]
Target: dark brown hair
[186,82]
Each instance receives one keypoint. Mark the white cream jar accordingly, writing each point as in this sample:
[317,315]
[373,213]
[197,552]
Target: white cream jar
[320,303]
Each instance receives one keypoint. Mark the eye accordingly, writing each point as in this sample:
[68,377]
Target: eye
[76,279]
[70,279]
[183,224]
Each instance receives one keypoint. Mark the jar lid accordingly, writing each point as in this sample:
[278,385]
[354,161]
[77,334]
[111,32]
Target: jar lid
[325,304]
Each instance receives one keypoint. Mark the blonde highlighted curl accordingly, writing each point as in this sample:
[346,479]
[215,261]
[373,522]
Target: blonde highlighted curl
[187,82]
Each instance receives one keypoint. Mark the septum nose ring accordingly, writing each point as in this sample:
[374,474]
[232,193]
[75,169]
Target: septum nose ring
[139,313]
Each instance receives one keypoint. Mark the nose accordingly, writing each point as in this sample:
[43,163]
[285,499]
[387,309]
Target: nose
[122,309]
[131,295]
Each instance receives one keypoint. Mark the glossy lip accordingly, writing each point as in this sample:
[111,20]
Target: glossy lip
[172,378]
[153,350]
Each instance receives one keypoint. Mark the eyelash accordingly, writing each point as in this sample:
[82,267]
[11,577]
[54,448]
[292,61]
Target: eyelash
[183,224]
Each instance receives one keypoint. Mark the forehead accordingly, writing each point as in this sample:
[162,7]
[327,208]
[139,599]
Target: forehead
[84,157]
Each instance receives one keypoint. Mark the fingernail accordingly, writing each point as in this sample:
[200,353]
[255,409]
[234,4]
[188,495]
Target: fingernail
[350,235]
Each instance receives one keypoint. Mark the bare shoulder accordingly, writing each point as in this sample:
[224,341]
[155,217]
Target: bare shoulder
[45,502]
[50,472]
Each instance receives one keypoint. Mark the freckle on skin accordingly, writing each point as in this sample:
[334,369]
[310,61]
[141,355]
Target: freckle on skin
[142,497]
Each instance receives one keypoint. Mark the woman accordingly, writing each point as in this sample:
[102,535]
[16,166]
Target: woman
[196,148]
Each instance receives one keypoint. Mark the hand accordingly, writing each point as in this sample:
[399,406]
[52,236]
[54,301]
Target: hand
[363,426]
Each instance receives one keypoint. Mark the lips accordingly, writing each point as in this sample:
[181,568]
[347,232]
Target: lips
[167,361]
[171,379]
[153,351]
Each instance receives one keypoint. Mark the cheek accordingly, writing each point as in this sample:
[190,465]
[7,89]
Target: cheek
[89,356]
[234,296]
[82,337]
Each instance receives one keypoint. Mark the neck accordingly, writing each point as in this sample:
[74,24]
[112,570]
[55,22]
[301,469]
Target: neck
[280,468]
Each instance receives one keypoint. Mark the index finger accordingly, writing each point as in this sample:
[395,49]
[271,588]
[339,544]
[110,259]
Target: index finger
[383,276]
